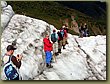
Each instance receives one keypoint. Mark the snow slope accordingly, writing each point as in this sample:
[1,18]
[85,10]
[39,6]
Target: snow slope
[83,58]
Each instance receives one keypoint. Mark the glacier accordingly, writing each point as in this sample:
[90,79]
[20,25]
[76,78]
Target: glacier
[83,59]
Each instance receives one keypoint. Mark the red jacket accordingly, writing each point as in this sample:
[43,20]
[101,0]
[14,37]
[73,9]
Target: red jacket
[65,33]
[47,45]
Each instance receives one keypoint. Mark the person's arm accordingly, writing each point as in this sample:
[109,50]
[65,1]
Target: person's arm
[65,32]
[15,62]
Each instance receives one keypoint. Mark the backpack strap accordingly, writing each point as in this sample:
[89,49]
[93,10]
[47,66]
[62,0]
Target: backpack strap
[9,59]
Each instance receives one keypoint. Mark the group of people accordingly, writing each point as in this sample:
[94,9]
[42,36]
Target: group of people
[83,30]
[59,37]
[11,64]
[10,61]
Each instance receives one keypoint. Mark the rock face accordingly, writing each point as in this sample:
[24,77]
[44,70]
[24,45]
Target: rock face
[6,14]
[83,58]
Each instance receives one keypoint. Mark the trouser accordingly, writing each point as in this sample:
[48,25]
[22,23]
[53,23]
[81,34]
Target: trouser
[64,41]
[48,56]
[60,43]
[54,51]
[81,33]
[54,47]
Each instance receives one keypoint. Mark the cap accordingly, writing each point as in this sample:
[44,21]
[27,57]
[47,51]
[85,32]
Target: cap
[10,47]
[63,26]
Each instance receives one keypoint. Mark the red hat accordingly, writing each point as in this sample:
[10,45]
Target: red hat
[54,30]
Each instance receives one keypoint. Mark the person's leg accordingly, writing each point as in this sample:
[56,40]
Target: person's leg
[55,44]
[66,40]
[60,46]
[47,58]
[61,43]
[50,57]
[53,48]
[64,43]
[54,53]
[82,34]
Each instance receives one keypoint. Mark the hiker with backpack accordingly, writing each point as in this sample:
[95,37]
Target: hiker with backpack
[66,28]
[60,41]
[64,35]
[54,38]
[11,63]
[48,48]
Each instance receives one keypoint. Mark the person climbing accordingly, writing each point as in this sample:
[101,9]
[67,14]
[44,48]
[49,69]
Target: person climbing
[66,28]
[64,35]
[11,63]
[54,38]
[62,30]
[60,41]
[81,30]
[65,38]
[48,48]
[86,32]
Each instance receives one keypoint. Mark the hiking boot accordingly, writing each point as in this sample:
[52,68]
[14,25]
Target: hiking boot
[64,47]
[47,65]
[66,42]
[50,66]
[56,54]
[59,51]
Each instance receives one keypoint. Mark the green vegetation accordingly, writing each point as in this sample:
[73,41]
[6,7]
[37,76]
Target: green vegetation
[53,13]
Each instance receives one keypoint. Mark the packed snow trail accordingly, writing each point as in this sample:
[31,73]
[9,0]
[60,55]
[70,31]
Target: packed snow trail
[94,73]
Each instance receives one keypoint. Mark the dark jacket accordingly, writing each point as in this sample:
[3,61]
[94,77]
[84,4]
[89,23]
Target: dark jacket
[59,36]
[15,62]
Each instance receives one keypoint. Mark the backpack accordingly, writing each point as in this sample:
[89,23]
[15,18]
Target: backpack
[62,32]
[10,72]
[53,37]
